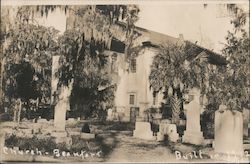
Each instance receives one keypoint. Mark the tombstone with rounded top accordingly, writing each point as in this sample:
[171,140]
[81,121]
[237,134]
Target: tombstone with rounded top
[228,136]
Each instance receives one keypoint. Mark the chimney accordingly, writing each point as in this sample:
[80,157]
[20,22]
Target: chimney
[181,37]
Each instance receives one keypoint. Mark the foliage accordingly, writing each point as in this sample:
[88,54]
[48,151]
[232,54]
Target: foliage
[231,83]
[83,60]
[91,88]
[207,123]
[31,44]
[21,85]
[174,71]
[48,144]
[81,47]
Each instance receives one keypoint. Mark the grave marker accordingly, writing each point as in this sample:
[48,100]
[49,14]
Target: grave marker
[193,133]
[228,132]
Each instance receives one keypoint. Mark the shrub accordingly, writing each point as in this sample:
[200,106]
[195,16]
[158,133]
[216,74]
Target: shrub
[46,144]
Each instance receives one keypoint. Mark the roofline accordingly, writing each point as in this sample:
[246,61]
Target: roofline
[145,44]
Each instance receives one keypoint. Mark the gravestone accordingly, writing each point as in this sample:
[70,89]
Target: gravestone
[110,115]
[62,105]
[87,136]
[193,133]
[228,135]
[2,144]
[173,136]
[167,129]
[72,121]
[143,131]
[85,132]
[160,136]
[162,129]
[42,120]
[246,114]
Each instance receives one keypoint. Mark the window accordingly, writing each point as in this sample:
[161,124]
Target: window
[133,65]
[113,63]
[132,99]
[155,98]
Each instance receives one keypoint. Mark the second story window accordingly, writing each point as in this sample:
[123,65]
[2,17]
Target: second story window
[133,65]
[132,99]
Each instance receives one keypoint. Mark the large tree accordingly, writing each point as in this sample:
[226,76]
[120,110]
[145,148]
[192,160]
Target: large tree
[90,30]
[83,60]
[174,71]
[231,86]
[27,53]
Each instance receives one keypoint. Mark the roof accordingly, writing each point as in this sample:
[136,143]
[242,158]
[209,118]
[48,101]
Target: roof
[155,39]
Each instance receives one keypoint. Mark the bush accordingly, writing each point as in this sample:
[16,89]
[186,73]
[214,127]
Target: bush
[46,144]
[121,126]
[207,123]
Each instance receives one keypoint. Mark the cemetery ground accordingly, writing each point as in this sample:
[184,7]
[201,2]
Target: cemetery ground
[114,142]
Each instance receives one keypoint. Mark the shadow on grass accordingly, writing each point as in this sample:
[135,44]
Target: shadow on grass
[107,144]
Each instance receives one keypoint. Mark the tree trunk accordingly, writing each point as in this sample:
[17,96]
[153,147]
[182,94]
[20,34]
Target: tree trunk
[1,82]
[19,111]
[15,115]
[176,109]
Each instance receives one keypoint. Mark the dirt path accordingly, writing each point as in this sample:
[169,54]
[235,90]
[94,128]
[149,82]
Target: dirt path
[130,149]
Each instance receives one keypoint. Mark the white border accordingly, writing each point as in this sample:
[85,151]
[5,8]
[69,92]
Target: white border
[85,2]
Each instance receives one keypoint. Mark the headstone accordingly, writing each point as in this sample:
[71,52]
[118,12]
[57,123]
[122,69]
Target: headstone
[143,131]
[62,105]
[2,143]
[110,115]
[163,127]
[228,136]
[87,136]
[246,114]
[173,136]
[42,120]
[167,129]
[71,121]
[193,133]
[160,136]
[85,128]
[74,133]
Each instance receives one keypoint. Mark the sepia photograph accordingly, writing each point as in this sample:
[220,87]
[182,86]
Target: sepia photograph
[165,81]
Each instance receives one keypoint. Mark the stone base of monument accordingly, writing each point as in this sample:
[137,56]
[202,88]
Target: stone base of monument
[143,131]
[62,137]
[160,136]
[87,136]
[195,138]
[173,136]
[74,133]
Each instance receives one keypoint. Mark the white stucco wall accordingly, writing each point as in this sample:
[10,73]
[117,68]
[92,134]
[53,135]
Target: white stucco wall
[136,83]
